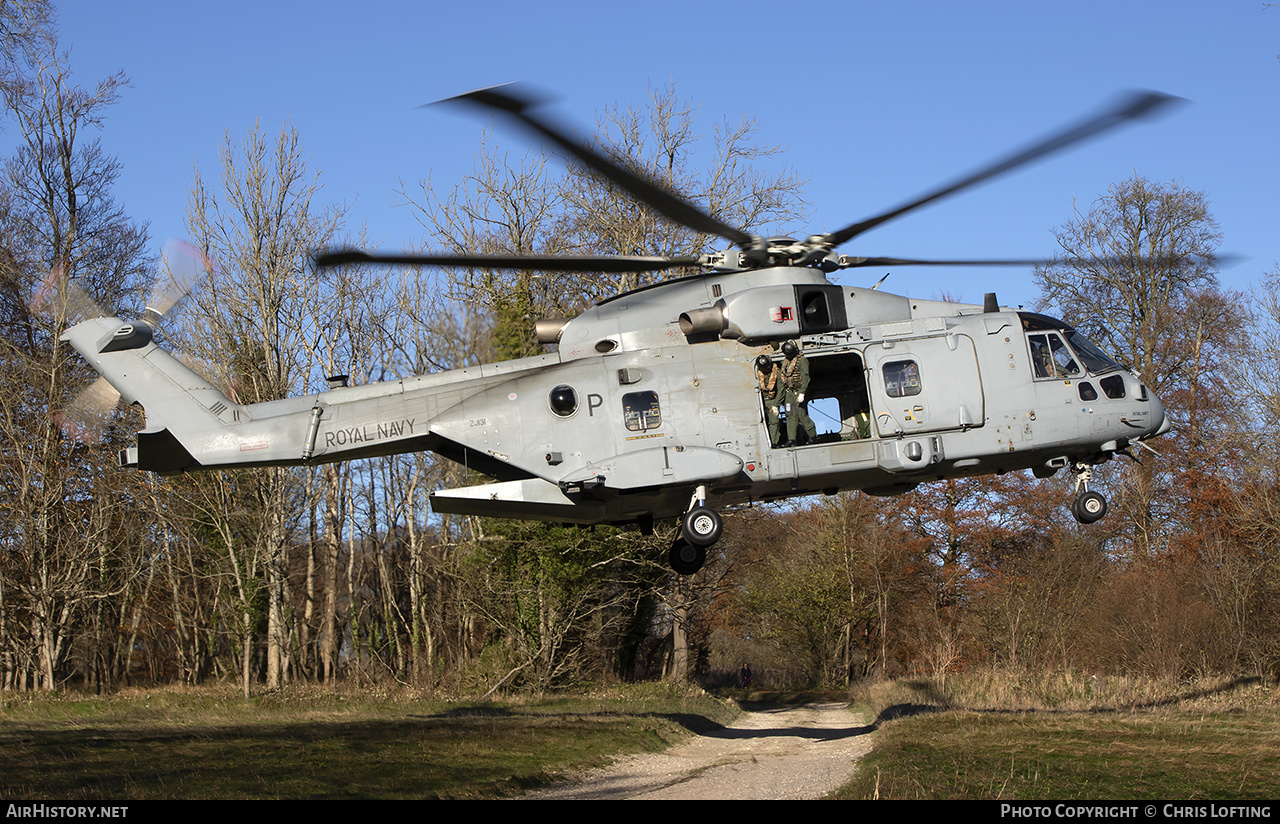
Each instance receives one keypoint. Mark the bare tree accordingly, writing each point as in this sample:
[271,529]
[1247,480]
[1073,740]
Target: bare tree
[531,208]
[501,207]
[25,28]
[1260,371]
[1140,258]
[1138,275]
[256,320]
[659,142]
[66,545]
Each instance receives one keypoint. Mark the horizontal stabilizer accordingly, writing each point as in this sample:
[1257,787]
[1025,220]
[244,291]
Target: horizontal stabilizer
[532,498]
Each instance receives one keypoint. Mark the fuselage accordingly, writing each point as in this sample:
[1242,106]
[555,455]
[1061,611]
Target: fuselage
[652,394]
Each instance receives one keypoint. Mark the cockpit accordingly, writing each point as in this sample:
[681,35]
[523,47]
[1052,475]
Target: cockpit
[1059,352]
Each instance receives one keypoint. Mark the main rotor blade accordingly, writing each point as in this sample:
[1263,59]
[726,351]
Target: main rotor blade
[856,262]
[545,263]
[1133,106]
[507,100]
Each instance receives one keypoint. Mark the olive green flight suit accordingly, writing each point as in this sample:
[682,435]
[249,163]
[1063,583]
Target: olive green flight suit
[794,383]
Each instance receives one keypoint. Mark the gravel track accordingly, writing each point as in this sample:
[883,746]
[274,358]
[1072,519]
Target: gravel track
[792,753]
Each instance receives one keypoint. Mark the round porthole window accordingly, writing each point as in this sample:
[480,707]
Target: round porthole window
[564,401]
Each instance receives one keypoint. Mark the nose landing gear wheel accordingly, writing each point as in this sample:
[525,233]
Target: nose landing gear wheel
[702,526]
[686,558]
[1089,507]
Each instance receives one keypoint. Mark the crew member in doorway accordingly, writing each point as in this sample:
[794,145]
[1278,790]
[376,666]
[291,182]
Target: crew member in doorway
[795,382]
[767,381]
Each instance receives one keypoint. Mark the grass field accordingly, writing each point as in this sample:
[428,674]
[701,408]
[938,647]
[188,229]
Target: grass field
[310,743]
[985,736]
[1057,739]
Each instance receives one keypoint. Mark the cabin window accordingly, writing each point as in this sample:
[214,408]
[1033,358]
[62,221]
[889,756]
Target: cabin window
[563,400]
[901,379]
[1087,392]
[640,411]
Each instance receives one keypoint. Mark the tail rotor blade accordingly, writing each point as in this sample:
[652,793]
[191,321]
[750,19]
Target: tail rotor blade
[60,296]
[86,417]
[181,268]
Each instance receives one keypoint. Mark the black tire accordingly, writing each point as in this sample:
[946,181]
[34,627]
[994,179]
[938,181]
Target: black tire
[1089,507]
[686,558]
[702,526]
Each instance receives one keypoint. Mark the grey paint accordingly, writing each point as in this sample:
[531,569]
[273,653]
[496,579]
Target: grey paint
[978,407]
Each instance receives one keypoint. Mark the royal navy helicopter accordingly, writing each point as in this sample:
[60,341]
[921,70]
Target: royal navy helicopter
[649,407]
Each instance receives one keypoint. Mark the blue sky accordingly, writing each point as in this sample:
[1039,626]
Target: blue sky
[876,102]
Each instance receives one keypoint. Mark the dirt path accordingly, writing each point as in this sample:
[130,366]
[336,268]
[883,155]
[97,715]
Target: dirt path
[785,753]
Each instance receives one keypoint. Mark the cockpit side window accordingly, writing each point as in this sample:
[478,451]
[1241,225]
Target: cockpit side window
[1051,357]
[1062,358]
[1041,361]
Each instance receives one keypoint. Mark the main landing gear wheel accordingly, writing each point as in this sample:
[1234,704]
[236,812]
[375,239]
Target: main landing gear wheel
[702,526]
[686,558]
[1089,507]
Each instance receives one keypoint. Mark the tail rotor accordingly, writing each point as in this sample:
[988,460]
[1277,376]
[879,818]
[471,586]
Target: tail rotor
[182,266]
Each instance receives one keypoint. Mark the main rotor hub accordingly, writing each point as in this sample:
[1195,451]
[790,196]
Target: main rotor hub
[814,251]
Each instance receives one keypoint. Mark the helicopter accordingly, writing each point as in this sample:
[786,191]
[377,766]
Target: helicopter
[649,406]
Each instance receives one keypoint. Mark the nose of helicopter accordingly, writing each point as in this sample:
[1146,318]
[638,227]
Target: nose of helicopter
[1160,422]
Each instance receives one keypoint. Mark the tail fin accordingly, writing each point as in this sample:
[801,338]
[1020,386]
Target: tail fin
[179,403]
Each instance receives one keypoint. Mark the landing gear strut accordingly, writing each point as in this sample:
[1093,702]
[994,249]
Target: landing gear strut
[700,527]
[1089,506]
